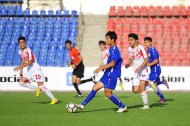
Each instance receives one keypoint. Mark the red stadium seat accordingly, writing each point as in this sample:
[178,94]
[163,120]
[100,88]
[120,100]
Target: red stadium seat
[136,11]
[128,11]
[151,11]
[159,11]
[143,11]
[175,11]
[120,11]
[110,25]
[112,11]
[182,11]
[188,11]
[167,11]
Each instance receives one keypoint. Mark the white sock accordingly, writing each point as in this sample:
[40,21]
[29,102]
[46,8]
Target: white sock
[147,87]
[48,93]
[27,85]
[144,97]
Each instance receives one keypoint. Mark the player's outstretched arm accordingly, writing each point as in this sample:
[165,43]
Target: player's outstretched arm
[111,64]
[23,65]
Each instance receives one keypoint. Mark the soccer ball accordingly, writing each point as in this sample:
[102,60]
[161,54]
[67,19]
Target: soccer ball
[71,108]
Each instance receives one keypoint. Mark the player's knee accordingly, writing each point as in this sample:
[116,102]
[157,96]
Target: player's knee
[21,83]
[108,94]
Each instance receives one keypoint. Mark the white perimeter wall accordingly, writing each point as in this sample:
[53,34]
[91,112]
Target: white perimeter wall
[103,6]
[59,79]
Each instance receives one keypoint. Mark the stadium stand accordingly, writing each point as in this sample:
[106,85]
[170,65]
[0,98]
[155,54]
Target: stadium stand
[168,26]
[45,31]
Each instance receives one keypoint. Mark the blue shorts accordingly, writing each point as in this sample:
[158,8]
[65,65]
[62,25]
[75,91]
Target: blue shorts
[154,76]
[109,82]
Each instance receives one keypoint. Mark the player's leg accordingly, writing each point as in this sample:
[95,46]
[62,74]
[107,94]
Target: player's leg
[74,81]
[135,89]
[91,95]
[25,81]
[153,78]
[115,100]
[47,92]
[163,82]
[143,94]
[121,84]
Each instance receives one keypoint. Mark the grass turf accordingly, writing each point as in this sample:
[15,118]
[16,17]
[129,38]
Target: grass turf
[23,109]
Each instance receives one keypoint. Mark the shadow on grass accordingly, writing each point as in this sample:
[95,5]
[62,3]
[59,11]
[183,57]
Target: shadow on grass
[45,102]
[105,109]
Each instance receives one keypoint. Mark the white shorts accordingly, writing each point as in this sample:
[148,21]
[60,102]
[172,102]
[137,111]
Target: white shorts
[36,76]
[143,75]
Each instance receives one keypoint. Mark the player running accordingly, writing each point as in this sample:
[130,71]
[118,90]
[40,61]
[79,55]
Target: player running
[139,58]
[109,79]
[105,54]
[153,58]
[34,71]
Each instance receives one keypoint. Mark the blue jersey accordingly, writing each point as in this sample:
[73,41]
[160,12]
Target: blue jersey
[109,79]
[152,55]
[114,55]
[155,69]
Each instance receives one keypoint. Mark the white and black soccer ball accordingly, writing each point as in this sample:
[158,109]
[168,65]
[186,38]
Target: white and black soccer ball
[71,108]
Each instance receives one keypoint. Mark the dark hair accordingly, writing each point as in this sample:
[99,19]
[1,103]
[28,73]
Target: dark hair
[133,35]
[112,35]
[102,43]
[148,39]
[21,38]
[68,41]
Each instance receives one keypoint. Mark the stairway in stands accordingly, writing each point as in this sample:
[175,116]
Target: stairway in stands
[94,30]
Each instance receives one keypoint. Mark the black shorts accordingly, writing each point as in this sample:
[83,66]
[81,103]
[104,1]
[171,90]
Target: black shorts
[79,70]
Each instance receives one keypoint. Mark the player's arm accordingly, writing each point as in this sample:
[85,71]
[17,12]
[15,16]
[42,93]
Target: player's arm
[103,67]
[23,65]
[129,63]
[21,70]
[155,56]
[145,63]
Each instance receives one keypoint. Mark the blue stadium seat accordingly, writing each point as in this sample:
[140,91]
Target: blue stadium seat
[74,13]
[50,13]
[34,13]
[26,12]
[66,13]
[58,13]
[42,13]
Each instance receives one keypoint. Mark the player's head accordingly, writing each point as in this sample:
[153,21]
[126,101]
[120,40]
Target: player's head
[68,44]
[102,45]
[111,38]
[22,42]
[148,42]
[133,39]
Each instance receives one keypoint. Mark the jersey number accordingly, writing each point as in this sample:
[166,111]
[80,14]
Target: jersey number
[38,77]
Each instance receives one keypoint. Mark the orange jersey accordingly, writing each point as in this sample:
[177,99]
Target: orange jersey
[74,53]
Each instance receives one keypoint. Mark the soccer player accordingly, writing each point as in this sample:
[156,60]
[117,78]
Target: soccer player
[105,54]
[153,58]
[139,58]
[109,79]
[78,67]
[34,71]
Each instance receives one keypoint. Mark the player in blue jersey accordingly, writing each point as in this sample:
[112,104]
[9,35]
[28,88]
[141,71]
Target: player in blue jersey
[109,79]
[153,58]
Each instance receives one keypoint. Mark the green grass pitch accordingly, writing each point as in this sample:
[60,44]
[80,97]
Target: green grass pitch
[23,109]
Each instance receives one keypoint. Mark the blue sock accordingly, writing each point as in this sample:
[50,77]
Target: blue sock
[159,93]
[89,97]
[160,82]
[116,101]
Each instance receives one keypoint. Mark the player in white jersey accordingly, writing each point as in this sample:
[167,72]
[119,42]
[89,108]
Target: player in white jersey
[139,58]
[34,71]
[105,55]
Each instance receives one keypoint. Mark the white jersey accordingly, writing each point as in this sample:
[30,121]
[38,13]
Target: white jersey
[28,55]
[105,55]
[138,54]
